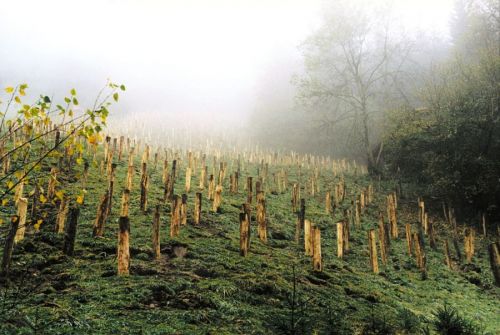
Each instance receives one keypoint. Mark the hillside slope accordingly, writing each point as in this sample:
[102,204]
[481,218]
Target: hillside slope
[201,284]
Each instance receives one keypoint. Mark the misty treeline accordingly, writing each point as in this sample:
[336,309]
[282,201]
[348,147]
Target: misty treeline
[414,107]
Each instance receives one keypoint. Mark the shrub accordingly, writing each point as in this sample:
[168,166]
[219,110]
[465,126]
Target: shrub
[449,322]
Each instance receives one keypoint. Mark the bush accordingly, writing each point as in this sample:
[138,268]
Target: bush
[449,322]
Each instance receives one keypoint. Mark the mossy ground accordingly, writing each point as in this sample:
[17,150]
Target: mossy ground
[213,290]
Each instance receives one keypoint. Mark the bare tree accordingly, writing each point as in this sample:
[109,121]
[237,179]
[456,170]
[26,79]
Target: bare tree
[353,66]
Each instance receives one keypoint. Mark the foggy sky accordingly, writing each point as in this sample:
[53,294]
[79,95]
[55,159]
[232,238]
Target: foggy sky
[195,61]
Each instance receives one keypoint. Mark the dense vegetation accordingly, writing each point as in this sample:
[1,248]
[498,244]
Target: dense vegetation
[452,145]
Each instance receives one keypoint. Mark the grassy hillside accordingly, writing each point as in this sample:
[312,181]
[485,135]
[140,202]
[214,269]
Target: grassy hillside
[201,284]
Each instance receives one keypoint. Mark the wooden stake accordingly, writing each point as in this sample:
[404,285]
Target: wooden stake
[9,246]
[495,262]
[295,197]
[203,177]
[391,214]
[357,214]
[110,187]
[217,198]
[382,239]
[130,176]
[61,215]
[197,208]
[22,209]
[244,234]
[469,244]
[316,234]
[261,217]
[347,235]
[308,238]
[125,203]
[188,179]
[123,253]
[249,190]
[409,239]
[340,239]
[247,208]
[101,216]
[328,203]
[168,188]
[372,245]
[175,216]
[211,187]
[144,187]
[70,233]
[120,149]
[184,209]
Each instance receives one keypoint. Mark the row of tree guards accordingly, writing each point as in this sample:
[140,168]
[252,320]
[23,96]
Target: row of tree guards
[306,232]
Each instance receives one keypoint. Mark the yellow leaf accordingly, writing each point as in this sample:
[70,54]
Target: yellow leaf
[60,195]
[93,139]
[19,174]
[79,161]
[17,99]
[10,184]
[1,222]
[9,89]
[38,224]
[22,92]
[79,199]
[43,199]
[5,202]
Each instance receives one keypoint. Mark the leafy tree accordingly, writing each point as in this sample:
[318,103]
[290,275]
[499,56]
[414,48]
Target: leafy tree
[452,144]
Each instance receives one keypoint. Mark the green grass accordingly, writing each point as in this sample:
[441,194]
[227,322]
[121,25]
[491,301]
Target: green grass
[213,290]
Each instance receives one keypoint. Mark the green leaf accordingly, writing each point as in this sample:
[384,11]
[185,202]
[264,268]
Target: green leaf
[75,101]
[104,112]
[73,92]
[46,99]
[115,96]
[122,87]
[68,100]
